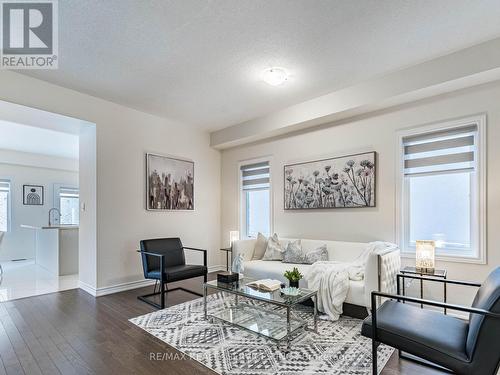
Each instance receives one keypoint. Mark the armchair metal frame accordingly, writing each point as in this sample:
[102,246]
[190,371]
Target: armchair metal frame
[163,283]
[399,298]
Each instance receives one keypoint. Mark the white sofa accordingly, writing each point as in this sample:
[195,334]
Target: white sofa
[380,272]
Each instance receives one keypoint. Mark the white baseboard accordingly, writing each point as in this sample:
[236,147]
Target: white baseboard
[87,288]
[123,287]
[221,267]
[102,291]
[97,292]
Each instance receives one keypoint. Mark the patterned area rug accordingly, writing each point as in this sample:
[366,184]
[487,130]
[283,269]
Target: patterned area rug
[338,348]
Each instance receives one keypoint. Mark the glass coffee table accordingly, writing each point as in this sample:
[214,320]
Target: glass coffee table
[275,325]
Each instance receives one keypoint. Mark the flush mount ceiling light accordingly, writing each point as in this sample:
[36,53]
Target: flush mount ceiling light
[274,76]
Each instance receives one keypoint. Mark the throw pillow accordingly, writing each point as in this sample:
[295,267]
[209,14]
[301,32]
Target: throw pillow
[320,254]
[260,247]
[293,253]
[274,249]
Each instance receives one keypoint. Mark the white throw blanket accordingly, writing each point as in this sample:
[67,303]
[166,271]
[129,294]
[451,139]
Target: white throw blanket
[331,279]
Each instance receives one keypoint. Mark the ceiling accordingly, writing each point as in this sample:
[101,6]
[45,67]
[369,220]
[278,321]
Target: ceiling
[200,62]
[35,140]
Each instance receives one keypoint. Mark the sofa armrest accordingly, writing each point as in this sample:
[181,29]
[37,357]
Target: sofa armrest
[245,248]
[381,272]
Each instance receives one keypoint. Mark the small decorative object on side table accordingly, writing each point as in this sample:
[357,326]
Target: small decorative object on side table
[238,265]
[414,273]
[293,277]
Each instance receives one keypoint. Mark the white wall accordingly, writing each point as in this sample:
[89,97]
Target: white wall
[87,234]
[25,168]
[123,136]
[376,132]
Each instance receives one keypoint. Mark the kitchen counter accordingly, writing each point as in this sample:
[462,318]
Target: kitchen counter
[56,250]
[50,227]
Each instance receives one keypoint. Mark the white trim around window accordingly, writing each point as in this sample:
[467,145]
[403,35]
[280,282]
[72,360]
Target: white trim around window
[478,206]
[241,219]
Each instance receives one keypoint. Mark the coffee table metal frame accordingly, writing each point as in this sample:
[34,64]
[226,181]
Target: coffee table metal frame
[273,298]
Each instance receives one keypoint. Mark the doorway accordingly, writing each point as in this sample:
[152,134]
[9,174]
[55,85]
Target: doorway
[47,202]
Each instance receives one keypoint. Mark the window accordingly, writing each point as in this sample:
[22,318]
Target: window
[4,205]
[441,189]
[255,199]
[68,199]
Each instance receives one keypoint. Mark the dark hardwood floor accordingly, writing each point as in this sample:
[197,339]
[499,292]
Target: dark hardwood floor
[72,332]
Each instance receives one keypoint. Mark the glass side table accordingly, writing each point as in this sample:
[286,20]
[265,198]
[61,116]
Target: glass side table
[228,250]
[437,273]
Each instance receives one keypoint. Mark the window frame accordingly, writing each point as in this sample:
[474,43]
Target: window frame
[57,198]
[242,200]
[478,191]
[9,204]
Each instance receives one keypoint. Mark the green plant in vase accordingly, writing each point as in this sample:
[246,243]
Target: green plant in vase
[293,277]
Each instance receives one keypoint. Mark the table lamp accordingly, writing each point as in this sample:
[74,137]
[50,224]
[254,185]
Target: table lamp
[234,235]
[425,256]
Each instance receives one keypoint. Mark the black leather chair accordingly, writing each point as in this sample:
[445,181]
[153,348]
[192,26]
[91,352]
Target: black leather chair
[459,346]
[163,260]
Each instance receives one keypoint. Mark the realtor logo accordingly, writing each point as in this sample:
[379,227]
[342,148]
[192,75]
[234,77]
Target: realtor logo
[29,34]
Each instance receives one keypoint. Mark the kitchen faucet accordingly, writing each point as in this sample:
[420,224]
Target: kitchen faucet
[50,214]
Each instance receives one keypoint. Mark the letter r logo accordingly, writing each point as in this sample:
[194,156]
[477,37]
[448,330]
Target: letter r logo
[27,28]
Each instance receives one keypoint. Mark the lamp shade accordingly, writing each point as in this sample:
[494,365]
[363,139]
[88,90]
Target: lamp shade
[425,256]
[234,235]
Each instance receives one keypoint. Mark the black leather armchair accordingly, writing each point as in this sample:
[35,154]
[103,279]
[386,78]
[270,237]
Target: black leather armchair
[163,260]
[459,346]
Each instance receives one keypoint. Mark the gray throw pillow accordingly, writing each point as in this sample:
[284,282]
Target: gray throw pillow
[293,253]
[260,247]
[320,254]
[274,249]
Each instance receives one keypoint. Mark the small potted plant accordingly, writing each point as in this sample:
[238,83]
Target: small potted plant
[293,277]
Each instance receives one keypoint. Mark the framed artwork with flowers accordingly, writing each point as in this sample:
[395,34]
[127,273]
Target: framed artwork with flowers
[342,182]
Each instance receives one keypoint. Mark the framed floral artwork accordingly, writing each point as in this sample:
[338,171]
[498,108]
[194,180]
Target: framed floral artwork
[342,182]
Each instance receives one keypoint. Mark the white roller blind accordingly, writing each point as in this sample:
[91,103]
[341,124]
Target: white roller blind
[255,176]
[4,185]
[441,151]
[68,192]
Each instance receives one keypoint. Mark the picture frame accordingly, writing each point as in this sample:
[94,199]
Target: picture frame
[169,183]
[347,181]
[33,195]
